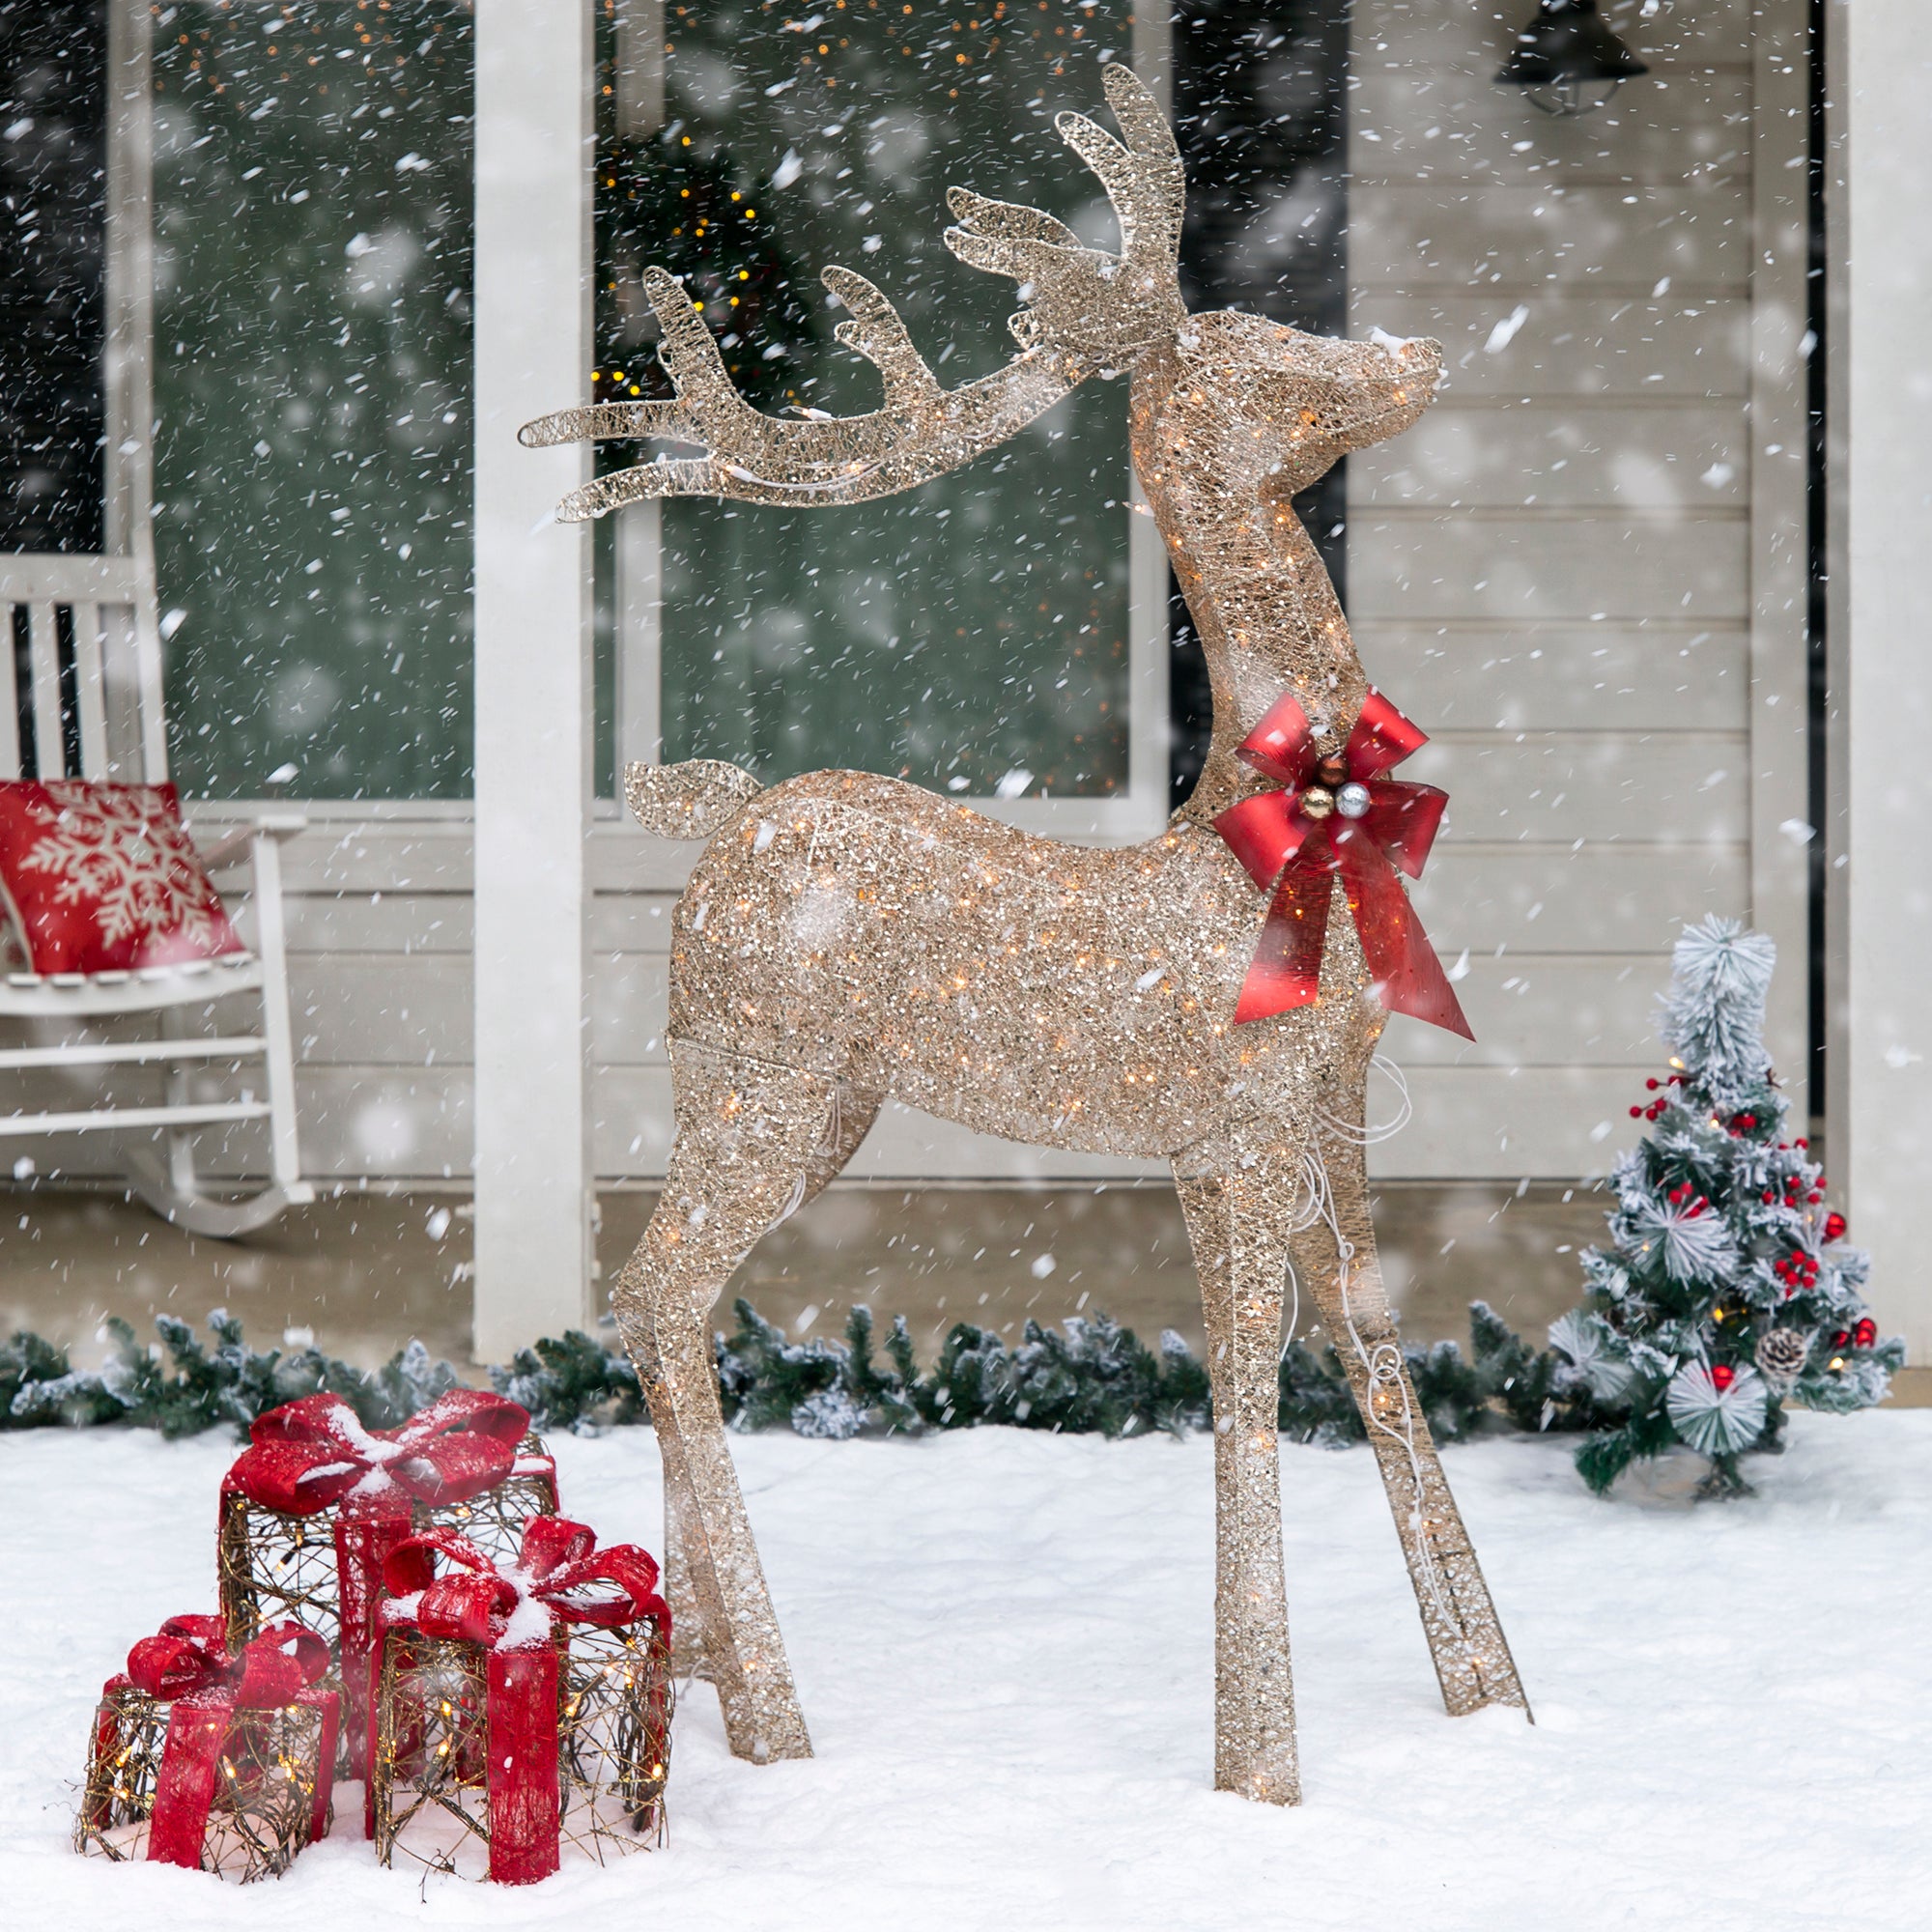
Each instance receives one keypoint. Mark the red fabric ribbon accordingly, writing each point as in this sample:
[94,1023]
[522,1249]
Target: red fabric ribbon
[308,1454]
[1299,854]
[191,1654]
[188,1666]
[513,1612]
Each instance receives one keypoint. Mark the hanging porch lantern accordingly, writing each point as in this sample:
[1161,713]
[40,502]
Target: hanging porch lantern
[1567,59]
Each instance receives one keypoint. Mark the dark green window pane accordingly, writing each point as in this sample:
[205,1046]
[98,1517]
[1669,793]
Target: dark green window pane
[976,626]
[53,214]
[312,383]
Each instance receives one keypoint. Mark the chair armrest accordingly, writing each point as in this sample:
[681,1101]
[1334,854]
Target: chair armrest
[239,841]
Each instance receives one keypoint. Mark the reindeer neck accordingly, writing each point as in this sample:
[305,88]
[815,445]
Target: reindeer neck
[1260,599]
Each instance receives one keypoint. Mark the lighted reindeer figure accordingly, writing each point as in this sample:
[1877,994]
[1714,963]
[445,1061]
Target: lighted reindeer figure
[846,937]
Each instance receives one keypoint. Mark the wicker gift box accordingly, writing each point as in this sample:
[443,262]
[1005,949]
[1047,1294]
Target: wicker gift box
[521,1708]
[310,1509]
[211,1759]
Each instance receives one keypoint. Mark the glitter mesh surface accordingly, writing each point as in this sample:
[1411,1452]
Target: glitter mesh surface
[846,937]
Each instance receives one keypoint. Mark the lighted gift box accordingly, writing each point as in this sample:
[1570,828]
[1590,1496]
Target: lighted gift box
[316,1501]
[209,1758]
[520,1708]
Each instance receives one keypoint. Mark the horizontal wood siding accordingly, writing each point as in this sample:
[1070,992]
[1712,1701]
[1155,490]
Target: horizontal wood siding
[1564,573]
[1554,571]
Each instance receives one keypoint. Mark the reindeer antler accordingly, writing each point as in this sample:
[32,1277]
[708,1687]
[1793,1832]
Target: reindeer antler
[1104,307]
[1085,310]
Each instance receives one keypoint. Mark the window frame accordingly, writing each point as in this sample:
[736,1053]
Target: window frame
[1139,812]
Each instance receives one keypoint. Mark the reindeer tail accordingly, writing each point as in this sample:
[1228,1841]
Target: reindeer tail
[693,800]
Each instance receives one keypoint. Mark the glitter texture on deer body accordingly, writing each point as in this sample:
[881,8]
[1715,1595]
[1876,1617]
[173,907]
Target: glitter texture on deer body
[847,938]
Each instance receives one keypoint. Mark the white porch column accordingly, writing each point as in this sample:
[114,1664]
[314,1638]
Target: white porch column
[533,686]
[1880,1147]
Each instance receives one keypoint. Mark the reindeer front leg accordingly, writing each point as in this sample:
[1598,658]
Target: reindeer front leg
[1335,1259]
[1238,1223]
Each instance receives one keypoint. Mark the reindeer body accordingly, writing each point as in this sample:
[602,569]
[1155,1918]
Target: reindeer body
[846,937]
[1062,995]
[1071,997]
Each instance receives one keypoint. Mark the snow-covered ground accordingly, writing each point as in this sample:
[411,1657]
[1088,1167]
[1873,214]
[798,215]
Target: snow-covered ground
[1003,1646]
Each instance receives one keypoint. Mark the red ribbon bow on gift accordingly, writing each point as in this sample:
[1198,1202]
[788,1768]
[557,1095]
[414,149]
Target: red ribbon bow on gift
[512,1612]
[308,1453]
[1338,817]
[191,1654]
[188,1666]
[559,1575]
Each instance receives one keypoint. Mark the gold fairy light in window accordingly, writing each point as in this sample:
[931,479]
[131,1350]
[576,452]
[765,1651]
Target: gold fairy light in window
[1208,996]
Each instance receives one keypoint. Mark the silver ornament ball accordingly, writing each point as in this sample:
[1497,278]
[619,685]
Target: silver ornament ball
[1352,799]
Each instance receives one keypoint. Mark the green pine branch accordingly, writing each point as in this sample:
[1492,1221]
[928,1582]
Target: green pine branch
[1093,1377]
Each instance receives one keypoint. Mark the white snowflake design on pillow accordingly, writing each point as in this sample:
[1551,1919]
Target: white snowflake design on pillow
[121,850]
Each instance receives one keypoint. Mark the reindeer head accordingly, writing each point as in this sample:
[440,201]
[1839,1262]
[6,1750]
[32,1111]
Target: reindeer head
[1298,401]
[1288,404]
[1084,311]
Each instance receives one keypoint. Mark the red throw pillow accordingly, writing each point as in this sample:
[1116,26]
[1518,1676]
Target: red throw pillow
[103,878]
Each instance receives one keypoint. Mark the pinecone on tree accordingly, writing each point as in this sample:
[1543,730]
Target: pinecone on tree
[1727,1290]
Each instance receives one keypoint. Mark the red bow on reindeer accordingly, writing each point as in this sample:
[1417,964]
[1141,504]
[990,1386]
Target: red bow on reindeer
[1338,817]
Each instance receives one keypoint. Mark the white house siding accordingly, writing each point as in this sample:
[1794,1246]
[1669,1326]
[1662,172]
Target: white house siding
[1583,572]
[380,932]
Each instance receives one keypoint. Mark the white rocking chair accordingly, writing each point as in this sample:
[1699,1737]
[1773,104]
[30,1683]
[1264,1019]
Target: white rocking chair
[93,654]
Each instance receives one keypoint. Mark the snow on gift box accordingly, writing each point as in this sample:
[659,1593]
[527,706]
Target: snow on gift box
[520,1706]
[209,1758]
[310,1509]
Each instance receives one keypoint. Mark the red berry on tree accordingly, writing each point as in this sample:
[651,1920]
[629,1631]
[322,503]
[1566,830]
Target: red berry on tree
[1651,1085]
[1865,1333]
[1835,1226]
[1723,1375]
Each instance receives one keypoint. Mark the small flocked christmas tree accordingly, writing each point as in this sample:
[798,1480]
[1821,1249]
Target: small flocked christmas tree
[1728,1291]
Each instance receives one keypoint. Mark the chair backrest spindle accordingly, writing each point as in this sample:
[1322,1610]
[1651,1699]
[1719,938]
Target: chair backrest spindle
[10,695]
[85,702]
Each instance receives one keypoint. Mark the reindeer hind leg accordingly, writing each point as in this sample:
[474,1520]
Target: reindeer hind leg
[1335,1259]
[755,1142]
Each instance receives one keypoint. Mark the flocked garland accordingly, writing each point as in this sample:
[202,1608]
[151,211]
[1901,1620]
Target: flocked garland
[1093,1378]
